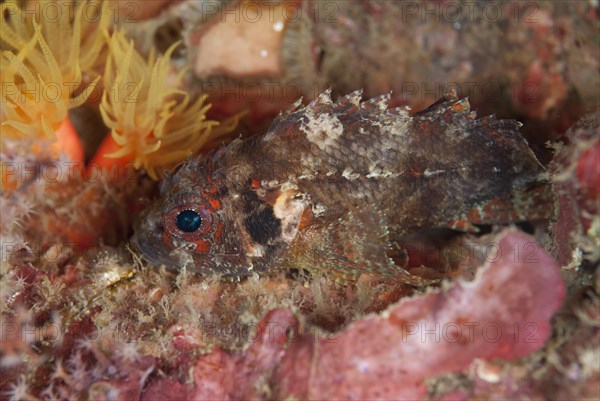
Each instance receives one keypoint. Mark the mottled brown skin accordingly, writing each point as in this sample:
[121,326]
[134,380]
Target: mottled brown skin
[333,186]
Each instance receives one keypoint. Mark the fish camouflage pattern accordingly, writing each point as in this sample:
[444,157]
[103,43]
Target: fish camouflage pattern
[333,187]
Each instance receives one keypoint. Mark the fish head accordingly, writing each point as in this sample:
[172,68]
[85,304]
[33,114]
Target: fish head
[215,218]
[187,226]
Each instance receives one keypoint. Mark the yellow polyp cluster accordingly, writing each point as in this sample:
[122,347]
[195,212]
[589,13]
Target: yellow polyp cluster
[152,121]
[42,62]
[54,53]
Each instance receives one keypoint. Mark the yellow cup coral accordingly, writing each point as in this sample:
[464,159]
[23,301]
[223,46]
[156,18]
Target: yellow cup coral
[43,57]
[153,123]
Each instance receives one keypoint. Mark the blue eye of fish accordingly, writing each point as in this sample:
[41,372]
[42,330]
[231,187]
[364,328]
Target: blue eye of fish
[189,221]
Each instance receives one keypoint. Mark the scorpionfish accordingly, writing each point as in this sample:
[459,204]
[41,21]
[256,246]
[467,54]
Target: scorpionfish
[333,187]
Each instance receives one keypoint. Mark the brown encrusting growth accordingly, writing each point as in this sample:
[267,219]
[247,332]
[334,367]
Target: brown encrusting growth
[575,169]
[536,60]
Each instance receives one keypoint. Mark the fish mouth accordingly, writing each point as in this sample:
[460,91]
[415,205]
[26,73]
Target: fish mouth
[148,253]
[147,240]
[154,255]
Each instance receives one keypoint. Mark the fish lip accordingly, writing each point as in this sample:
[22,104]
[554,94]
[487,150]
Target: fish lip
[148,253]
[150,246]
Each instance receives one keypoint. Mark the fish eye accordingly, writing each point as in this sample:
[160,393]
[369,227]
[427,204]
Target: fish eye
[192,218]
[188,221]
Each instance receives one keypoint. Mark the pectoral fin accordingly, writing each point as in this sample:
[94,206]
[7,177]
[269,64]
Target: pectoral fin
[355,244]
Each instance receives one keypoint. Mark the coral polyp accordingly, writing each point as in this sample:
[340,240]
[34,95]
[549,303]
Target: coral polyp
[43,66]
[153,122]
